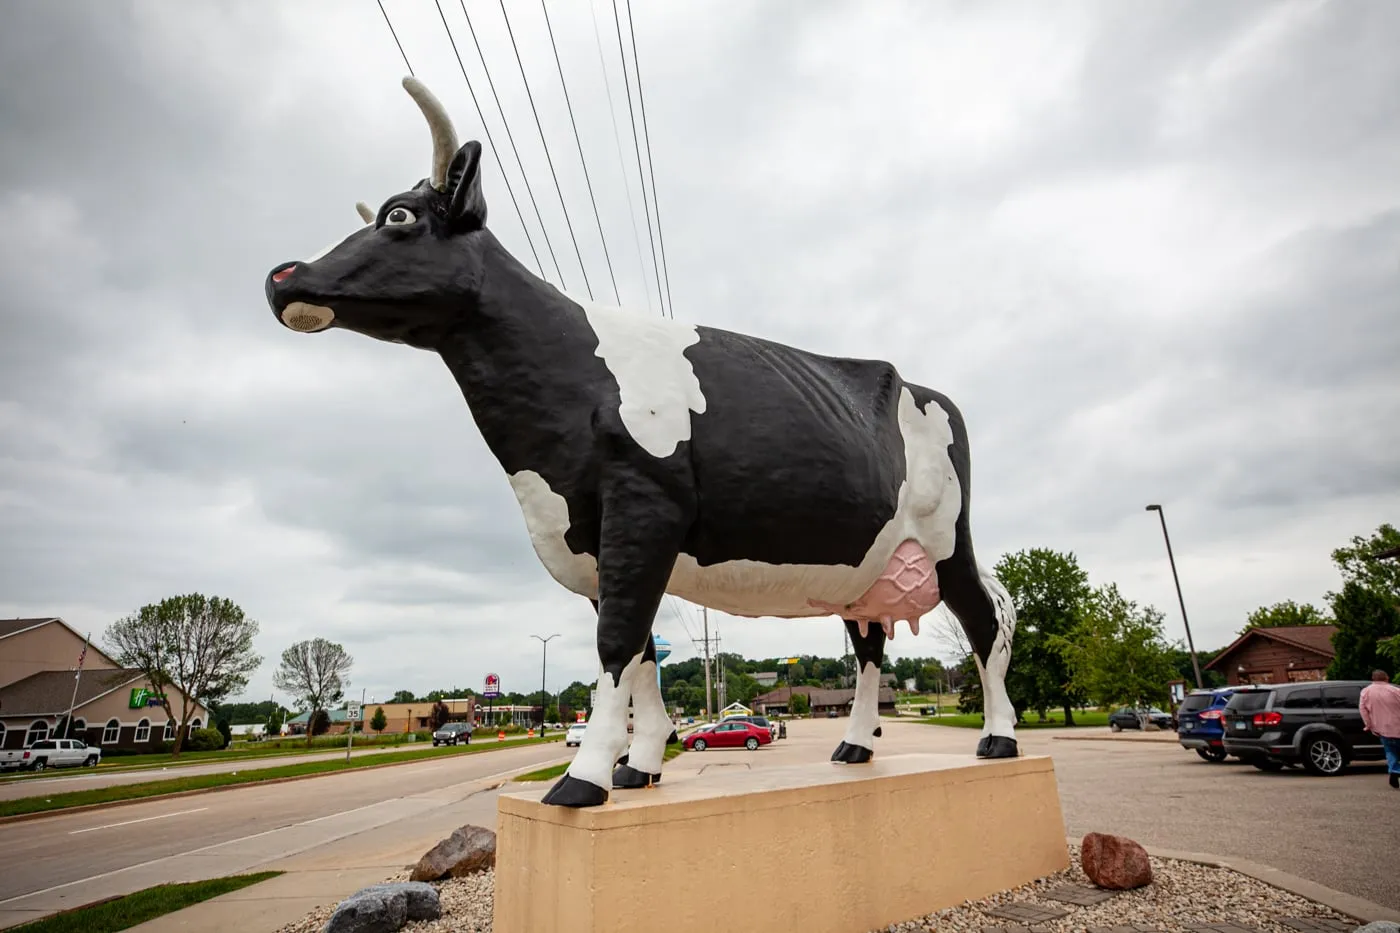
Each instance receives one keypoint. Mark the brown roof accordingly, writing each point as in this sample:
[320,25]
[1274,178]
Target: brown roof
[818,696]
[10,627]
[1314,638]
[48,693]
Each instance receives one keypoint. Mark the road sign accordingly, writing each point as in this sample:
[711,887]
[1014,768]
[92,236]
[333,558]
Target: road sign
[352,713]
[493,687]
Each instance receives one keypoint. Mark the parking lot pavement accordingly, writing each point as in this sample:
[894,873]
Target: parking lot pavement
[1339,831]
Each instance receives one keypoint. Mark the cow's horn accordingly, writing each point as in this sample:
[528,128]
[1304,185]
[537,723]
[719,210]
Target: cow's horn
[366,214]
[444,136]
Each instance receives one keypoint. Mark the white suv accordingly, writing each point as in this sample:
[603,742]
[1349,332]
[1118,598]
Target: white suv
[575,734]
[60,753]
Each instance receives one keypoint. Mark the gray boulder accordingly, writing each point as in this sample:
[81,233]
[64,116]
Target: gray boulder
[384,908]
[1380,926]
[468,850]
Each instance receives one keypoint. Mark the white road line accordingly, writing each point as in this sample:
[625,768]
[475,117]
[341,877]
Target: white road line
[227,842]
[146,819]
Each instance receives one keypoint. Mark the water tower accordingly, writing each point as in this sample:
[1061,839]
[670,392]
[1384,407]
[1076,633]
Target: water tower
[663,651]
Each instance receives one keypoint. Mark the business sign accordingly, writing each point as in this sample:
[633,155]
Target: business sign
[789,660]
[493,687]
[142,697]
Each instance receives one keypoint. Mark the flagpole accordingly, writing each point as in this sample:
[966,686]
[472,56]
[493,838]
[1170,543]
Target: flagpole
[68,725]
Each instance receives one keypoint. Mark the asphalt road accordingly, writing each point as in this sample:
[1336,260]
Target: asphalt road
[64,860]
[1338,831]
[71,779]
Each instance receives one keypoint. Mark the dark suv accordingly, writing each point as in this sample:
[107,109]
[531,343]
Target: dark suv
[1201,722]
[1316,724]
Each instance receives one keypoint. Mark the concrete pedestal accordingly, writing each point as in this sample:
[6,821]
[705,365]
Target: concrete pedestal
[820,848]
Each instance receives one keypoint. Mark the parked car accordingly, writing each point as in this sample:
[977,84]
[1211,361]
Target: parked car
[1200,722]
[762,722]
[1126,717]
[1316,724]
[452,733]
[737,733]
[575,734]
[59,753]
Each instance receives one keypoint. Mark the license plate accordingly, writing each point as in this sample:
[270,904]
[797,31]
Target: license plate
[1187,727]
[1239,725]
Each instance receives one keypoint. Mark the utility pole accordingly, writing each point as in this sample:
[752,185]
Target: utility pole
[709,697]
[1189,643]
[544,694]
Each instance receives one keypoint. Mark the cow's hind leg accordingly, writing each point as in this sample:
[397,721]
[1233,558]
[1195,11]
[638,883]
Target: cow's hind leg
[651,728]
[859,744]
[988,617]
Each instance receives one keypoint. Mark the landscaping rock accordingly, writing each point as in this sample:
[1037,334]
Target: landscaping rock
[369,911]
[421,899]
[1380,926]
[1114,862]
[468,850]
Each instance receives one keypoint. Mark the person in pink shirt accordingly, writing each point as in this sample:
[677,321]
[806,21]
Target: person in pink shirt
[1380,711]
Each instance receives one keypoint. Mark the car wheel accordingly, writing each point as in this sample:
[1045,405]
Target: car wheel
[699,745]
[91,762]
[1114,727]
[1267,764]
[1323,756]
[751,743]
[39,765]
[1211,754]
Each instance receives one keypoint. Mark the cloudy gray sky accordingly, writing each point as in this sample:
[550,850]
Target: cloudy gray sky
[1152,250]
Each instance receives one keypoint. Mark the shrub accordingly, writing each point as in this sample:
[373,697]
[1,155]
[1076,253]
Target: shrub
[320,722]
[225,731]
[205,740]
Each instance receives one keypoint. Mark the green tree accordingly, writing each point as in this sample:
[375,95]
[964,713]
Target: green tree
[275,720]
[1285,613]
[1389,648]
[403,696]
[1116,654]
[1048,589]
[1357,564]
[575,695]
[318,724]
[225,732]
[316,672]
[799,705]
[1365,618]
[379,721]
[201,646]
[440,714]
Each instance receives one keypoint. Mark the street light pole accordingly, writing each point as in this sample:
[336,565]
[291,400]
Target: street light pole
[1195,664]
[544,695]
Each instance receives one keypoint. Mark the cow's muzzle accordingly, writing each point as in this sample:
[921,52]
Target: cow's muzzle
[301,316]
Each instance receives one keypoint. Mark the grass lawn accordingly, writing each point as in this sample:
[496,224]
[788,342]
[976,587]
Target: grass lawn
[43,803]
[1057,720]
[552,772]
[126,912]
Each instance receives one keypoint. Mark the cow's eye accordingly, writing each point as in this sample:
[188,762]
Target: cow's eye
[399,215]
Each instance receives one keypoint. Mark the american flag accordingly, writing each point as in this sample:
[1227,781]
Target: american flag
[83,655]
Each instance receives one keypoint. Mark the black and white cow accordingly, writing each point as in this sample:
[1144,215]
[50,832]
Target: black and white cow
[650,456]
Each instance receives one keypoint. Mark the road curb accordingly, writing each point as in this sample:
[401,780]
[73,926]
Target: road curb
[173,795]
[1168,738]
[1358,908]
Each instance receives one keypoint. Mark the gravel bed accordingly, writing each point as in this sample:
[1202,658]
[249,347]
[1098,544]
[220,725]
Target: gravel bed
[1182,894]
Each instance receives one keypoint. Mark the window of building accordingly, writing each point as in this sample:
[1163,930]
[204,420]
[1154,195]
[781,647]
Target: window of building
[195,724]
[112,732]
[79,729]
[143,731]
[169,730]
[38,731]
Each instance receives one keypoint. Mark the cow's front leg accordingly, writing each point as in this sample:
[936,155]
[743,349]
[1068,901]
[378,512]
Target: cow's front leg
[642,527]
[869,645]
[651,728]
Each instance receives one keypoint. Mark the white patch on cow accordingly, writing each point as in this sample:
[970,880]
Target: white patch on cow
[606,737]
[999,715]
[651,726]
[657,384]
[547,519]
[865,708]
[335,244]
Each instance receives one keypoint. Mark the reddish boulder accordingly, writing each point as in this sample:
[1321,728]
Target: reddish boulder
[468,850]
[1114,862]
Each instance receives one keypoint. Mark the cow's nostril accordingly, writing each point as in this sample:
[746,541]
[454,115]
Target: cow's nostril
[281,274]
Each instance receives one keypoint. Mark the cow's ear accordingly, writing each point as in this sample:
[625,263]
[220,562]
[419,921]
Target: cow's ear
[468,210]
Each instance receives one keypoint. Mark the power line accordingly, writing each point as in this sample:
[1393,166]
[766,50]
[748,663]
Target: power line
[396,39]
[492,143]
[509,135]
[637,148]
[526,81]
[617,298]
[651,167]
[621,162]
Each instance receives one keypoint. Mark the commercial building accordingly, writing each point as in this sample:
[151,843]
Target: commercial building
[822,701]
[1277,655]
[45,668]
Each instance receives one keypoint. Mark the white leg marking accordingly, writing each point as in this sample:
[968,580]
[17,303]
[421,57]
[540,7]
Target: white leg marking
[865,710]
[998,713]
[650,724]
[606,736]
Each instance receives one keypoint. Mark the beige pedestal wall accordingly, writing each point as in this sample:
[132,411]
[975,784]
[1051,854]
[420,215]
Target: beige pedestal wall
[820,848]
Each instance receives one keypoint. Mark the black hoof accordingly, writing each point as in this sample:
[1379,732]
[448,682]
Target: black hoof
[571,792]
[673,738]
[879,731]
[852,754]
[631,778]
[996,746]
[623,759]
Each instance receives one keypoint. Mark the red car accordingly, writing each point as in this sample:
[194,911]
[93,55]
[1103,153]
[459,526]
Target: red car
[732,734]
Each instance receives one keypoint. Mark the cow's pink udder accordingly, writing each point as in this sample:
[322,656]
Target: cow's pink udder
[906,590]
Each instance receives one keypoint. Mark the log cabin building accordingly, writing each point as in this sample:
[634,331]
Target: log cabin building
[1280,655]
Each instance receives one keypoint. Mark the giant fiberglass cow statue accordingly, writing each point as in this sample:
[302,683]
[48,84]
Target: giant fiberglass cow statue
[651,456]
